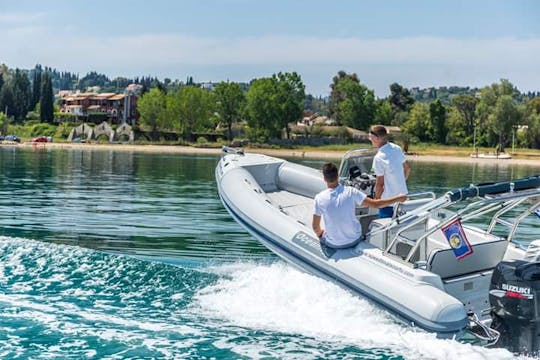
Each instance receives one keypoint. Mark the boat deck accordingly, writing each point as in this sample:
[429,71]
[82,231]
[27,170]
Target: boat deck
[297,206]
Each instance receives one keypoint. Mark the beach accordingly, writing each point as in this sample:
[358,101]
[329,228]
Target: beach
[313,154]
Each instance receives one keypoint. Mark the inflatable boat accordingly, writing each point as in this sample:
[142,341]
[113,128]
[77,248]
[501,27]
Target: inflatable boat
[429,264]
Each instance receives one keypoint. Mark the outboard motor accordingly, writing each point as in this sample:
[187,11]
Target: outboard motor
[514,296]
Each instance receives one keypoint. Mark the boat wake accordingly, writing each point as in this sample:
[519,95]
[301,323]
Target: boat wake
[276,297]
[58,300]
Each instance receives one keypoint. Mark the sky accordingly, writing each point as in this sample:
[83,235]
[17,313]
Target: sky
[417,43]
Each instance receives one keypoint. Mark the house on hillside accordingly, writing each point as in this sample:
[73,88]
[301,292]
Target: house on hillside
[98,107]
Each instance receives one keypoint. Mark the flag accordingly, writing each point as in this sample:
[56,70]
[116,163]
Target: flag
[456,238]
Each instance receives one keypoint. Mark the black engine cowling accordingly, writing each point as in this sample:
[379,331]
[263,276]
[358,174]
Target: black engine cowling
[514,296]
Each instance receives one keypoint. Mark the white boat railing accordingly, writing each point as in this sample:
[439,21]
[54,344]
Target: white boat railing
[500,202]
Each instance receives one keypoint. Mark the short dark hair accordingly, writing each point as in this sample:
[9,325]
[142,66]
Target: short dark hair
[378,130]
[330,172]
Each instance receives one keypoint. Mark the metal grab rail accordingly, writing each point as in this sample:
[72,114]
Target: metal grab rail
[505,202]
[397,208]
[464,193]
[230,150]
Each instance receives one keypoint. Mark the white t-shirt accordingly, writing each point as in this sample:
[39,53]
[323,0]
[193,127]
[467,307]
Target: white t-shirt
[337,207]
[388,162]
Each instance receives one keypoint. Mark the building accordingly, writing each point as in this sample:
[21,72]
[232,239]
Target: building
[95,107]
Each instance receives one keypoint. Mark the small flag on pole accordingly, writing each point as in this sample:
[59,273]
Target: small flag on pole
[456,238]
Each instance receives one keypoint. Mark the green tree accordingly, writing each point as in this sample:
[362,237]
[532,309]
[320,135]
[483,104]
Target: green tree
[171,116]
[336,96]
[504,117]
[6,99]
[3,123]
[532,120]
[36,86]
[351,103]
[93,79]
[290,95]
[457,125]
[151,106]
[418,124]
[46,100]
[400,98]
[437,115]
[496,116]
[466,105]
[230,100]
[383,112]
[195,108]
[262,108]
[21,95]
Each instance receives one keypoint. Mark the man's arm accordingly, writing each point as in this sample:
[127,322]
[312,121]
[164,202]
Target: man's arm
[378,203]
[406,169]
[316,225]
[379,186]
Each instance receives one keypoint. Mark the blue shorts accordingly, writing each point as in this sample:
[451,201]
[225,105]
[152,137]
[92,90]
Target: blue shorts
[386,212]
[344,246]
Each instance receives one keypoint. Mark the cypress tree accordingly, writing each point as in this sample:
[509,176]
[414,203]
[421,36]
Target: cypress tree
[6,100]
[21,95]
[46,110]
[36,86]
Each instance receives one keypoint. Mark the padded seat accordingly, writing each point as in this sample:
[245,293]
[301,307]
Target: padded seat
[485,256]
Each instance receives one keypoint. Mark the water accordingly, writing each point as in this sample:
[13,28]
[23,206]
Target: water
[131,255]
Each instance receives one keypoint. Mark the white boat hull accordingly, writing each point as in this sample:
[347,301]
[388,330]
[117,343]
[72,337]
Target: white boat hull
[248,185]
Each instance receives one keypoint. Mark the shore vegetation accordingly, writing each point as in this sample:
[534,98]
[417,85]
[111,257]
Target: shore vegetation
[275,111]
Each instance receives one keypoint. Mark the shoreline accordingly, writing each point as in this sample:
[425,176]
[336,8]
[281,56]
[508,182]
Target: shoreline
[311,154]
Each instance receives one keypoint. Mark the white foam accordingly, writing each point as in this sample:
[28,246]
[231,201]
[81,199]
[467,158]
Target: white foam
[277,297]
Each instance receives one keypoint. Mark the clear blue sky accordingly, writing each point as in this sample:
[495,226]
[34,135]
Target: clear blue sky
[416,43]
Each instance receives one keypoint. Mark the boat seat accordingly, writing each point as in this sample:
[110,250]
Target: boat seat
[297,206]
[485,256]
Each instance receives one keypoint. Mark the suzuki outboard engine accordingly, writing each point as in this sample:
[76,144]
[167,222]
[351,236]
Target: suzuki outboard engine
[514,296]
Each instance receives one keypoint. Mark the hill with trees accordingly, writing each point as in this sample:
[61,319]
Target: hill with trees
[494,115]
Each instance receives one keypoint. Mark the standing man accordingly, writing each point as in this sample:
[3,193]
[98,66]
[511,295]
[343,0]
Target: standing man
[390,166]
[336,205]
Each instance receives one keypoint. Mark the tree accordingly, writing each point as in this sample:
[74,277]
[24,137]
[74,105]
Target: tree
[6,100]
[383,112]
[437,115]
[497,116]
[466,105]
[505,116]
[1,81]
[418,124]
[36,87]
[46,101]
[21,95]
[457,133]
[229,102]
[290,95]
[262,108]
[151,107]
[336,96]
[195,107]
[532,120]
[3,122]
[93,79]
[351,103]
[400,98]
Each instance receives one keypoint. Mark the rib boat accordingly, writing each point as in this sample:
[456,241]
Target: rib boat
[431,265]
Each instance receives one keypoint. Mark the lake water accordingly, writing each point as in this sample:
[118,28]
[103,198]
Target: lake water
[118,255]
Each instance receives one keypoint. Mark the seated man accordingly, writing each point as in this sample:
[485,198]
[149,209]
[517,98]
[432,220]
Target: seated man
[337,205]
